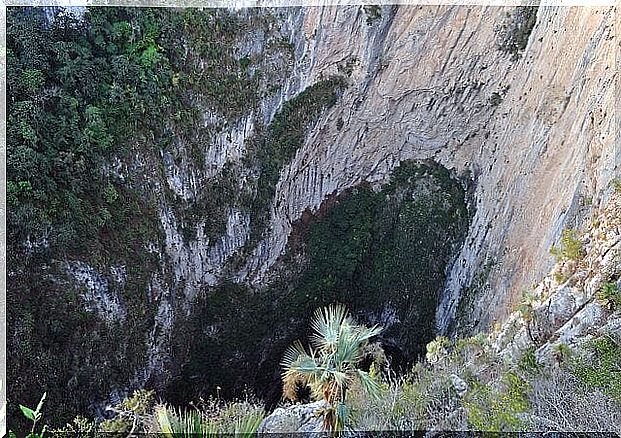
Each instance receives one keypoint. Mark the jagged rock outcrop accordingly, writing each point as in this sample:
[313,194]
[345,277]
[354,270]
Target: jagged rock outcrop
[571,312]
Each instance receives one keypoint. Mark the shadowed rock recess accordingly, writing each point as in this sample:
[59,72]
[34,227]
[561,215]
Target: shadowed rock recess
[185,187]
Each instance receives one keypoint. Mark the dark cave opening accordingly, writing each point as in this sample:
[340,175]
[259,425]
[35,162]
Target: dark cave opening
[383,254]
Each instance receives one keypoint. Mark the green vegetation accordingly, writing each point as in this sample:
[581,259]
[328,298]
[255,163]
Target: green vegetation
[437,349]
[34,416]
[600,366]
[375,252]
[610,294]
[571,246]
[562,352]
[141,414]
[528,362]
[285,135]
[237,418]
[373,13]
[616,184]
[514,33]
[132,414]
[497,409]
[92,106]
[468,296]
[495,99]
[331,365]
[500,395]
[492,395]
[527,304]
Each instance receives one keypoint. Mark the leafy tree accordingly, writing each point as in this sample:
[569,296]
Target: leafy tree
[329,367]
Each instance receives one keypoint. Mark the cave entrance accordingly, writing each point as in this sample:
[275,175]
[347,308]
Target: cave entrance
[383,254]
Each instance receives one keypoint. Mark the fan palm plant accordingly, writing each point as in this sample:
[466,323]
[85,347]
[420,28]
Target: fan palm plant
[329,367]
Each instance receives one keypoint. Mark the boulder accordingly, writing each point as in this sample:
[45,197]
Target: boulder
[295,419]
[460,386]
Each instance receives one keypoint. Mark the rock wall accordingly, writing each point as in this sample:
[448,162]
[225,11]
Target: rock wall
[534,135]
[424,79]
[566,307]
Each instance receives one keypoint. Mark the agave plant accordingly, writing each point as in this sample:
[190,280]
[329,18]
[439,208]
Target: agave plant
[329,367]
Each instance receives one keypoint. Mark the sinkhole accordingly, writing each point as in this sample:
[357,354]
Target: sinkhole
[382,253]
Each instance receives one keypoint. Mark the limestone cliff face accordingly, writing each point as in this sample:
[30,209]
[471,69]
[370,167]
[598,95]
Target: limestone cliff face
[566,307]
[423,83]
[534,135]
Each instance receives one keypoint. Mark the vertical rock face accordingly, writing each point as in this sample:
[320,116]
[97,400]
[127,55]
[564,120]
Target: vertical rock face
[533,135]
[99,295]
[424,81]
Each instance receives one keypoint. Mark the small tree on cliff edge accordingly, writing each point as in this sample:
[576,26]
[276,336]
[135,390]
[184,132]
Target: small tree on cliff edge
[329,367]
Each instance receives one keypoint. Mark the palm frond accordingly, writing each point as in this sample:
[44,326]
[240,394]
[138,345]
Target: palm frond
[327,323]
[341,378]
[299,369]
[349,348]
[305,366]
[365,333]
[369,384]
[293,354]
[330,367]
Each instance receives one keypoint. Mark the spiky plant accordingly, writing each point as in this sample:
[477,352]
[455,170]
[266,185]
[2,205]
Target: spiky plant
[329,367]
[172,423]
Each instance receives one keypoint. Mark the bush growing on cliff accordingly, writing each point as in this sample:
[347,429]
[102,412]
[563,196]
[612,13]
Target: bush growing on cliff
[497,408]
[599,366]
[373,13]
[514,33]
[131,415]
[571,247]
[610,294]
